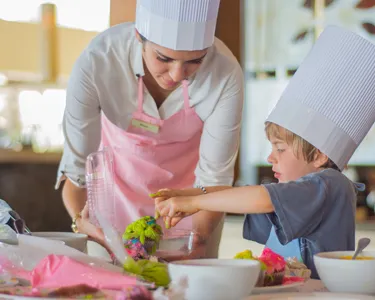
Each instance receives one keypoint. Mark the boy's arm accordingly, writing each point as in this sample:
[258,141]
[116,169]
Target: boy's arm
[241,200]
[295,208]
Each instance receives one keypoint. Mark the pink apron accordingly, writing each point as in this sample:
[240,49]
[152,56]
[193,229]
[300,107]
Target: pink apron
[150,155]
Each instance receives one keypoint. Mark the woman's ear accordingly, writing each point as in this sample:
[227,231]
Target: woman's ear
[138,36]
[320,159]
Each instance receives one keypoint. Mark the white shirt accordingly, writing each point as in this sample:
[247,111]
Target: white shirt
[104,78]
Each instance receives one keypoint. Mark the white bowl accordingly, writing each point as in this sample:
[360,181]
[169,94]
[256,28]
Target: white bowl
[346,276]
[75,240]
[96,250]
[215,278]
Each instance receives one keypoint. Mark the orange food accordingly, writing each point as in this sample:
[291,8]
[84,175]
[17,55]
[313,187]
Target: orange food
[357,258]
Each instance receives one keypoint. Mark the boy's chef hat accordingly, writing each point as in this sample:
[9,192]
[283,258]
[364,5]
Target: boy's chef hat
[330,101]
[178,24]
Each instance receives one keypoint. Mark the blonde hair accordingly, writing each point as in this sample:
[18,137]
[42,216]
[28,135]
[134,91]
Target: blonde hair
[300,146]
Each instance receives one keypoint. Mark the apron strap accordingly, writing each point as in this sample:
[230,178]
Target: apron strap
[292,249]
[140,94]
[185,91]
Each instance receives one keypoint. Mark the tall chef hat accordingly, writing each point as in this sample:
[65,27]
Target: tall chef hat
[330,101]
[178,24]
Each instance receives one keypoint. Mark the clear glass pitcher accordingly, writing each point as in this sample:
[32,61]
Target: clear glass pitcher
[100,185]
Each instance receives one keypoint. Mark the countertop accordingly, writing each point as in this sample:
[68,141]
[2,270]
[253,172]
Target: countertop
[29,156]
[366,225]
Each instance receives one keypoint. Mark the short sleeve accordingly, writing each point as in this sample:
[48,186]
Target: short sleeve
[221,135]
[257,228]
[299,206]
[81,122]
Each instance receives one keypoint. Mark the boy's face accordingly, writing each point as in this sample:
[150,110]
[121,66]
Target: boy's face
[285,164]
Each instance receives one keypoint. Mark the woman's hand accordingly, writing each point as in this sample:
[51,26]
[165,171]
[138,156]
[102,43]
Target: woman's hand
[169,193]
[85,226]
[174,205]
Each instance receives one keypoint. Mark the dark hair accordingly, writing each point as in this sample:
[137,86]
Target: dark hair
[308,151]
[330,165]
[144,40]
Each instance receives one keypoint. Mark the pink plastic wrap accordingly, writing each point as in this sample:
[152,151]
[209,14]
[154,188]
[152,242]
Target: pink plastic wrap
[61,271]
[9,270]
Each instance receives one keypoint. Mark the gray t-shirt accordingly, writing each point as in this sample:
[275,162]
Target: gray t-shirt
[317,209]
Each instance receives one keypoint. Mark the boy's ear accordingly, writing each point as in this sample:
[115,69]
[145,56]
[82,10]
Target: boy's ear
[320,160]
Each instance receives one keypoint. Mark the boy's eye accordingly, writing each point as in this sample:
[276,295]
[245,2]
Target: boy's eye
[280,150]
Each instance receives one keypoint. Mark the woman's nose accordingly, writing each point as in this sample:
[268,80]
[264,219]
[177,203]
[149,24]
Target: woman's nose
[177,72]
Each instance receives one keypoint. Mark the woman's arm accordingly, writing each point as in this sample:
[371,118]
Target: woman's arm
[221,134]
[74,198]
[81,126]
[219,146]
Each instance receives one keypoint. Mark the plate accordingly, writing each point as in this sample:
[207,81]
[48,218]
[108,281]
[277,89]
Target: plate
[276,288]
[8,282]
[31,294]
[310,296]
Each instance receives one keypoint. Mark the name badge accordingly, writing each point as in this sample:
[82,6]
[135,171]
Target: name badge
[146,126]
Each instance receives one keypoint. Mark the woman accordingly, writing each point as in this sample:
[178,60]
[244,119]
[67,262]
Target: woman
[170,96]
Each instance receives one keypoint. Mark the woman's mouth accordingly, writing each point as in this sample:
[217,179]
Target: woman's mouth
[170,83]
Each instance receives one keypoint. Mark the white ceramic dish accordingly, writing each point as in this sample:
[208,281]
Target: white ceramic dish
[276,288]
[96,250]
[346,276]
[75,240]
[18,295]
[310,296]
[219,279]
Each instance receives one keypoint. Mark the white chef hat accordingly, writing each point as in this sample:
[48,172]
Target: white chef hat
[178,24]
[330,101]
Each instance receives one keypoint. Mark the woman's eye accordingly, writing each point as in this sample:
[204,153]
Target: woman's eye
[168,60]
[162,59]
[280,150]
[196,62]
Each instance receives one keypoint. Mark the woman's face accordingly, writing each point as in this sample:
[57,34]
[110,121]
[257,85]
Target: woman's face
[169,67]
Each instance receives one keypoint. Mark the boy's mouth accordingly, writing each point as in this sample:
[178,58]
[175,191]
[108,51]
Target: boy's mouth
[277,174]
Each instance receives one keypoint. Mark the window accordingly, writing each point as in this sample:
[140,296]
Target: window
[41,114]
[43,108]
[80,14]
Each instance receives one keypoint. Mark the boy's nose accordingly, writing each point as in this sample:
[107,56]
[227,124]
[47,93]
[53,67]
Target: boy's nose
[271,159]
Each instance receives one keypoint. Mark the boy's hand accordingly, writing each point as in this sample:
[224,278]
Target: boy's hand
[174,209]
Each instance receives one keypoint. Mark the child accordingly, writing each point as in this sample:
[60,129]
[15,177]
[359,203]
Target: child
[321,118]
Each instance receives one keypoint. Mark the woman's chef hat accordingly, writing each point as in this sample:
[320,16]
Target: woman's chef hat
[178,24]
[330,101]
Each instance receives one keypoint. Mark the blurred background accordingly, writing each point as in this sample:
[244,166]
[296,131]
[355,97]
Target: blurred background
[40,41]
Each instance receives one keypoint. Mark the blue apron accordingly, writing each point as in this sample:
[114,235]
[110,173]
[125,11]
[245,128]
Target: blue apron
[292,249]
